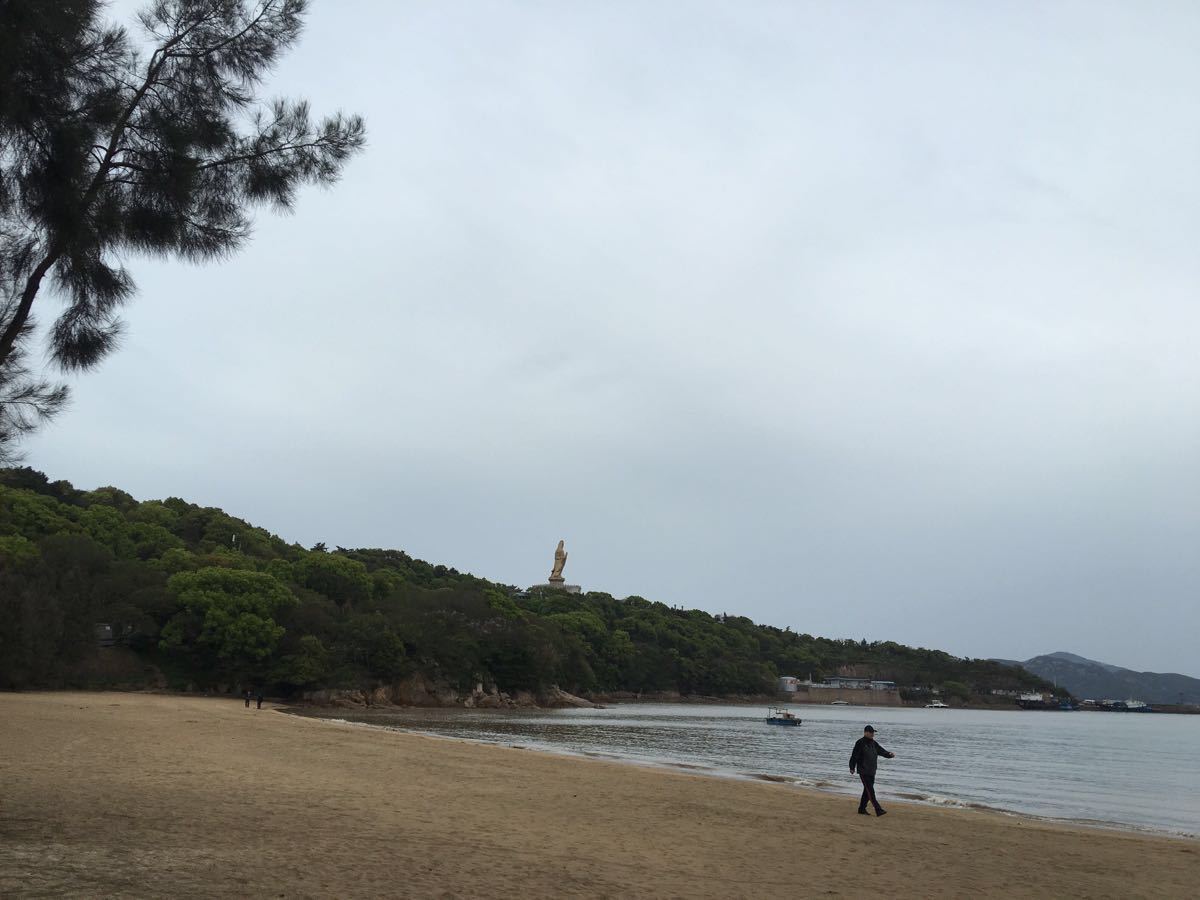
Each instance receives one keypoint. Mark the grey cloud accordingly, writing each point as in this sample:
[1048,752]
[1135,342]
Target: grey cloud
[876,322]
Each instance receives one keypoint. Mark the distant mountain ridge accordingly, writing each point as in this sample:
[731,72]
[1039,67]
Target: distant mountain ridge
[1090,679]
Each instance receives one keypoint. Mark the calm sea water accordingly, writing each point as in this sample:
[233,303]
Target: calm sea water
[1114,768]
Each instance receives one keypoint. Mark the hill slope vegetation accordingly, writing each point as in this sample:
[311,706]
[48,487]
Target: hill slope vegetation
[204,600]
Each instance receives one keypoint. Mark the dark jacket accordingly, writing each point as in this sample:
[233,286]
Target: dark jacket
[866,753]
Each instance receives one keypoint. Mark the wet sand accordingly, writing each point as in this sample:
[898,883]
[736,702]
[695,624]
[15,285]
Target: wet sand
[162,796]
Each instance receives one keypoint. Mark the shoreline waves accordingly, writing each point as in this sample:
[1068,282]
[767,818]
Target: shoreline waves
[1128,773]
[135,795]
[823,786]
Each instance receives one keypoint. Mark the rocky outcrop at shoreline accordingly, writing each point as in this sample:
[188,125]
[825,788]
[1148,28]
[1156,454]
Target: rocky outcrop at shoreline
[419,691]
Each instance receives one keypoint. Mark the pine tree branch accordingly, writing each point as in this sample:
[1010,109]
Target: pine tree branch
[17,324]
[208,51]
[263,154]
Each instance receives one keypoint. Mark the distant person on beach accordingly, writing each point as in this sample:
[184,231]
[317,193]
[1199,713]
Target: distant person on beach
[866,754]
[247,696]
[259,698]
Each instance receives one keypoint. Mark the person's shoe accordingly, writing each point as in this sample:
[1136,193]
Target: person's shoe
[881,812]
[862,812]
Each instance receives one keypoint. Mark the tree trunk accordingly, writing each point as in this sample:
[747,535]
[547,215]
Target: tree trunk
[13,331]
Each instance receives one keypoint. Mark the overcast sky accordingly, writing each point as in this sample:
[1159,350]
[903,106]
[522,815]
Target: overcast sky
[875,320]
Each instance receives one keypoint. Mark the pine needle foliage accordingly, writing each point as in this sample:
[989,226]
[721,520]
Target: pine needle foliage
[159,144]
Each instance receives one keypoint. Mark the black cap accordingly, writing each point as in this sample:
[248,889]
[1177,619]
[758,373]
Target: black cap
[870,729]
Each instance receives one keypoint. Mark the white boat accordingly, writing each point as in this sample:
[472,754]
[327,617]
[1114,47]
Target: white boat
[937,704]
[838,703]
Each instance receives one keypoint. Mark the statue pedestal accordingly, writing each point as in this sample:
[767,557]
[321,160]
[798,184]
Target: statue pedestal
[558,586]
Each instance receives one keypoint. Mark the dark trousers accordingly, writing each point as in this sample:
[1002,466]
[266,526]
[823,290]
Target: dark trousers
[868,793]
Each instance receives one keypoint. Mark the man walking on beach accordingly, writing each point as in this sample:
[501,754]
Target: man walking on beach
[865,755]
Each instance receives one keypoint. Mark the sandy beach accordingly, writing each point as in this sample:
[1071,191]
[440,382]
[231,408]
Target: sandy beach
[163,796]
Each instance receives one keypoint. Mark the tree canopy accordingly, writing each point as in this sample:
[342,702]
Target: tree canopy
[111,145]
[208,611]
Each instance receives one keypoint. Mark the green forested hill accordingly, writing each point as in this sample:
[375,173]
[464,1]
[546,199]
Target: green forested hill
[208,599]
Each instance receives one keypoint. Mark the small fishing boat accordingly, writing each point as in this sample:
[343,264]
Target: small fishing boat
[839,703]
[936,704]
[777,715]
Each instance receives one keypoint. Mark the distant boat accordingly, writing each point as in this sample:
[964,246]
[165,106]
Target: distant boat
[937,704]
[1041,701]
[838,703]
[777,715]
[1125,706]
